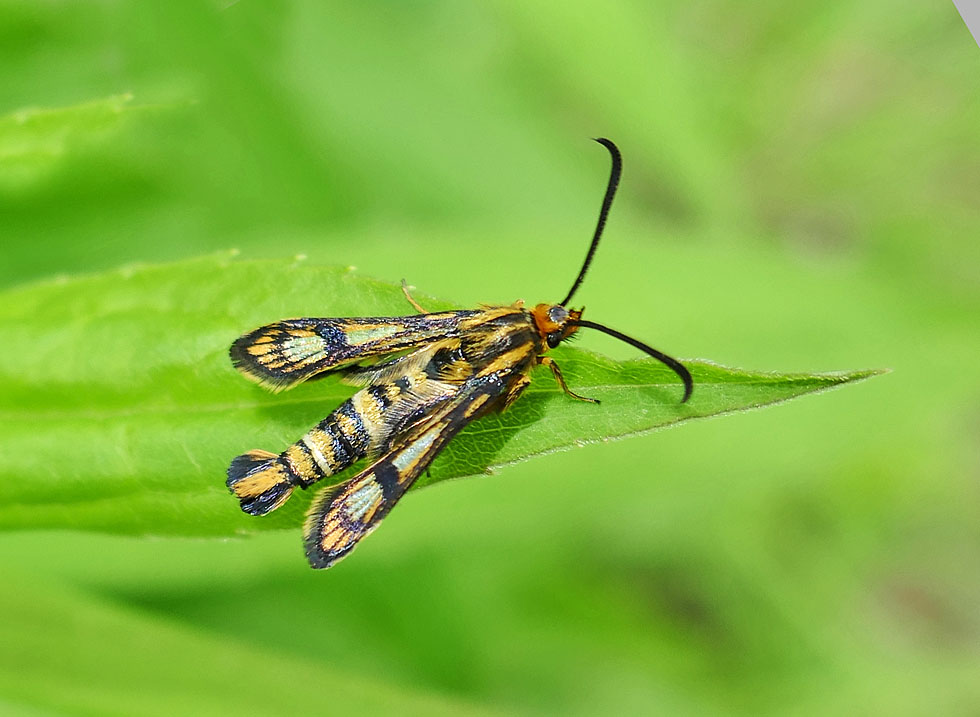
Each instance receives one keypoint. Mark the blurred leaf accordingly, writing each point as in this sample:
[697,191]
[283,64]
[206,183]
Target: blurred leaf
[120,409]
[799,192]
[179,670]
[34,141]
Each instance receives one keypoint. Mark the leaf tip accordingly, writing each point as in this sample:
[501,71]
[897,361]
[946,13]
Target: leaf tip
[863,374]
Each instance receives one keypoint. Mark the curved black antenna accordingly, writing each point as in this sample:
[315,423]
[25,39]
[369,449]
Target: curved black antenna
[672,363]
[617,169]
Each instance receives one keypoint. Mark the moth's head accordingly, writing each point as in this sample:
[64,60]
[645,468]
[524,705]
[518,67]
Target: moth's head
[555,323]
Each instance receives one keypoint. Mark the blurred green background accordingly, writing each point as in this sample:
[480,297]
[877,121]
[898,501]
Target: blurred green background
[800,193]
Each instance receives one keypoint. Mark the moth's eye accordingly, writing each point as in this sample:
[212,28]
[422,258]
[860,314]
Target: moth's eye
[558,314]
[554,338]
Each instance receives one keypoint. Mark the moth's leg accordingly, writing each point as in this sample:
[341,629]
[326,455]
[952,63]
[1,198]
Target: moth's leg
[412,301]
[549,362]
[514,391]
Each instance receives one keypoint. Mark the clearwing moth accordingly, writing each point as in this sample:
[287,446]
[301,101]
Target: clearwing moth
[448,368]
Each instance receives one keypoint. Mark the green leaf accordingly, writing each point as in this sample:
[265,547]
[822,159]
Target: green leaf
[34,142]
[187,671]
[120,411]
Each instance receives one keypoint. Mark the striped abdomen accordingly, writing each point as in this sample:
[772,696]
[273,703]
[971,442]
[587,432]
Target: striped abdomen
[263,481]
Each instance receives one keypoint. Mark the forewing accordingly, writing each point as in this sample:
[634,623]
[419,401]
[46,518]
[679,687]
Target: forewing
[342,515]
[280,355]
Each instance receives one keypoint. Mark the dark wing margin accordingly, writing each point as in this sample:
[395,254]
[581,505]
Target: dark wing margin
[342,515]
[280,355]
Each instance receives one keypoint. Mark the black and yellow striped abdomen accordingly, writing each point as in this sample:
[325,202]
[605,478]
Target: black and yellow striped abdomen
[364,425]
[263,481]
[339,440]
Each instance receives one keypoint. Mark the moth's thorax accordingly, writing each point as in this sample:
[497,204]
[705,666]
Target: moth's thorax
[552,322]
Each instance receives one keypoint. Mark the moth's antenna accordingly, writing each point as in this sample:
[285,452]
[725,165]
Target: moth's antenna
[672,363]
[617,169]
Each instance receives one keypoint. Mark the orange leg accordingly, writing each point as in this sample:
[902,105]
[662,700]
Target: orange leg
[549,362]
[412,301]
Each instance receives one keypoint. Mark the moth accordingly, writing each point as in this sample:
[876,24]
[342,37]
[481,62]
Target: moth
[421,378]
